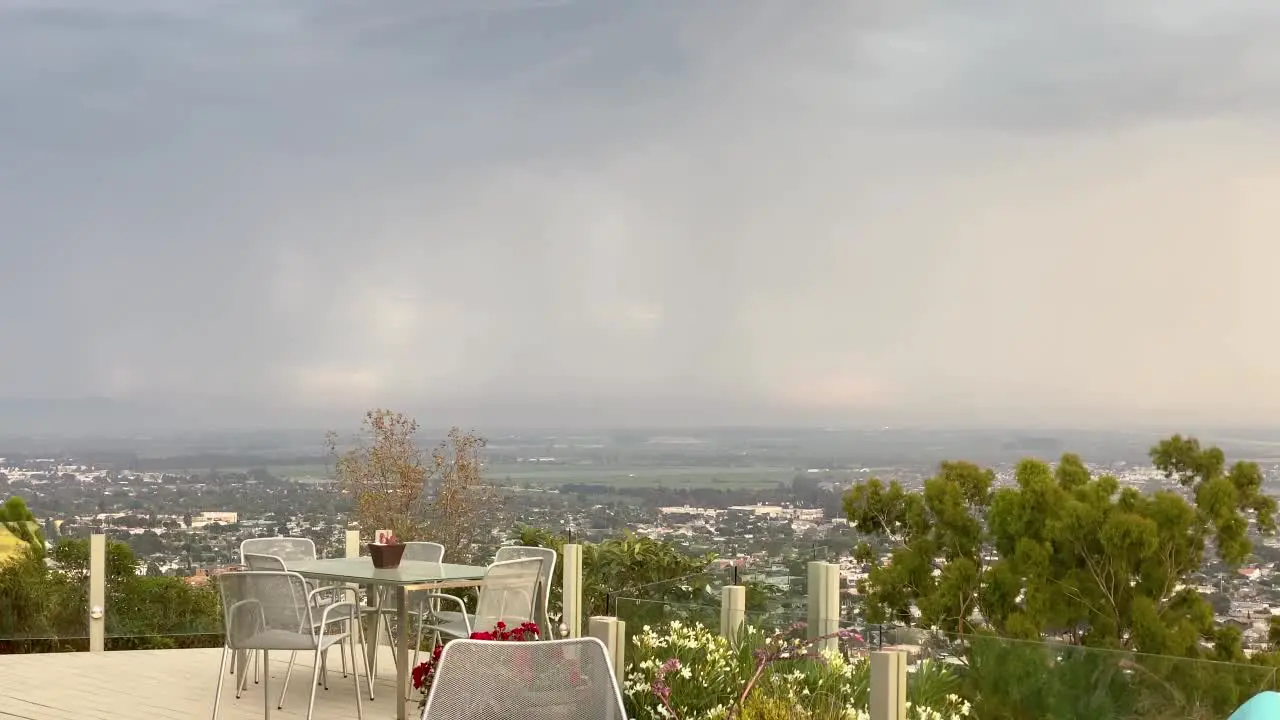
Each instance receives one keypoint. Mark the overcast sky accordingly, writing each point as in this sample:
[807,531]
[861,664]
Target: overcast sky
[1064,211]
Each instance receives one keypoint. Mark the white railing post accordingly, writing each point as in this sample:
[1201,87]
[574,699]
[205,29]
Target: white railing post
[613,633]
[815,597]
[733,610]
[353,544]
[97,591]
[830,624]
[372,623]
[571,587]
[351,549]
[824,603]
[888,685]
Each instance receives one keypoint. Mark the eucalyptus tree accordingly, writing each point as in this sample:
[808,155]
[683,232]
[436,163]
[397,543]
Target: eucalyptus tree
[1075,558]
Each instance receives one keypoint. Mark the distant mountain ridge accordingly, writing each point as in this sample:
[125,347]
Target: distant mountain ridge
[89,415]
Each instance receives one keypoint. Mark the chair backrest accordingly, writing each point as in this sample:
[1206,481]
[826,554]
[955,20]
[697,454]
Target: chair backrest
[543,606]
[485,680]
[260,601]
[255,561]
[509,594]
[285,548]
[423,552]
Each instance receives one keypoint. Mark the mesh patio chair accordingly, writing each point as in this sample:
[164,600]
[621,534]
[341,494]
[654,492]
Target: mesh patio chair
[285,548]
[256,562]
[543,601]
[267,610]
[508,594]
[551,680]
[423,552]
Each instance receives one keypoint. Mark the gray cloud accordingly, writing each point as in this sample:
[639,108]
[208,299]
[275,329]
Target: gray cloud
[600,210]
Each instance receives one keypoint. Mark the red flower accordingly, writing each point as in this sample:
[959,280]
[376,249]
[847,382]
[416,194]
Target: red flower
[425,673]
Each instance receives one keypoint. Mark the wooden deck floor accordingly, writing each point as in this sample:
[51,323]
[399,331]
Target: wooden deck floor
[173,685]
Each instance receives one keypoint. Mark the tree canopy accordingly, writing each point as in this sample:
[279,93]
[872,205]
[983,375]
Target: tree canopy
[17,520]
[1064,552]
[439,495]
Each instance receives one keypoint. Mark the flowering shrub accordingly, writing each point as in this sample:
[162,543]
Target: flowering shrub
[683,672]
[425,673]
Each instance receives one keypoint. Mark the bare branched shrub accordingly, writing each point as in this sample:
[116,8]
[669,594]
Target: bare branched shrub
[459,494]
[438,496]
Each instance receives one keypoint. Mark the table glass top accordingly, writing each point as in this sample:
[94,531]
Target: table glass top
[361,570]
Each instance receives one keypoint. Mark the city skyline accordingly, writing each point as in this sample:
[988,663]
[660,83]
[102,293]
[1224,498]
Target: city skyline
[645,213]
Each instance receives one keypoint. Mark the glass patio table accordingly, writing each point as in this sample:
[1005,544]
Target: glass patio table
[410,575]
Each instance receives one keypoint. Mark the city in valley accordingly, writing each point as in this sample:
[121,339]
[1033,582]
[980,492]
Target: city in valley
[764,502]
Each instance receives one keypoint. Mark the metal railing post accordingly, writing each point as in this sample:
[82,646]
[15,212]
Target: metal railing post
[888,685]
[97,591]
[613,633]
[571,587]
[733,610]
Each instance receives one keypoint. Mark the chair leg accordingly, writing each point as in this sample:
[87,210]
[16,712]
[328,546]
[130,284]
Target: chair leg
[257,665]
[293,656]
[417,646]
[377,628]
[217,696]
[324,668]
[266,686]
[247,658]
[364,653]
[391,640]
[355,675]
[315,680]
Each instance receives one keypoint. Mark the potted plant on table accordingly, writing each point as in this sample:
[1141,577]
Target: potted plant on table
[386,550]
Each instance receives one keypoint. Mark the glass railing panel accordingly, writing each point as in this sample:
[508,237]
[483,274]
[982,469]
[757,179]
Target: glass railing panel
[702,589]
[145,612]
[713,673]
[44,594]
[1004,678]
[639,614]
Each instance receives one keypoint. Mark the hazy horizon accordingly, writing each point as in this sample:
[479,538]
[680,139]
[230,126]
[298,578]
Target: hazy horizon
[598,212]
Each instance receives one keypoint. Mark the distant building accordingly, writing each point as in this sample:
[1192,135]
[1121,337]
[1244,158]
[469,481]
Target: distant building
[686,510]
[774,511]
[205,518]
[202,576]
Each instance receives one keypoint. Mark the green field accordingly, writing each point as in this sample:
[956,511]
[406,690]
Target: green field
[642,476]
[284,471]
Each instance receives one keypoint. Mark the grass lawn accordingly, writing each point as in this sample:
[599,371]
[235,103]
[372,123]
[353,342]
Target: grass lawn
[643,476]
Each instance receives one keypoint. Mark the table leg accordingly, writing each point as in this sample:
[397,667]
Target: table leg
[402,651]
[373,627]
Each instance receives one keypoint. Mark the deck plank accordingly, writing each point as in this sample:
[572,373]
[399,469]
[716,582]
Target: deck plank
[173,685]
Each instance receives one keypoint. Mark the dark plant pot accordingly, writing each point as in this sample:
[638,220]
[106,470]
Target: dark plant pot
[386,557]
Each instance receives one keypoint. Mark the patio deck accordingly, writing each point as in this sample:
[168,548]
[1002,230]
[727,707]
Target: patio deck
[173,685]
